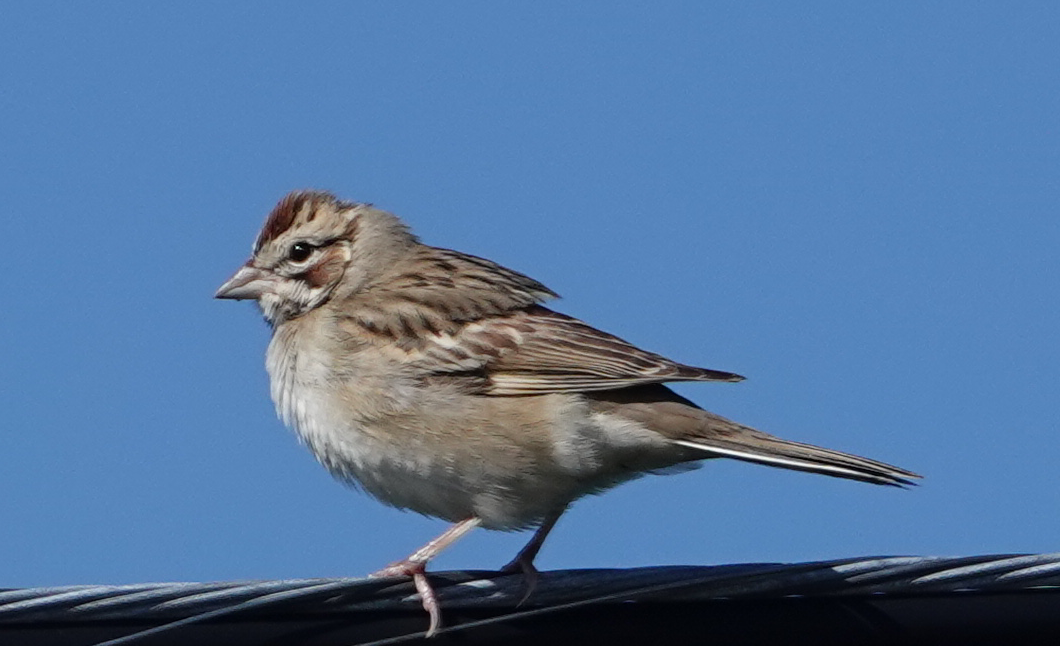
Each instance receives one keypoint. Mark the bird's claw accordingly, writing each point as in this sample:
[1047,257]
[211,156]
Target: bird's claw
[418,572]
[529,572]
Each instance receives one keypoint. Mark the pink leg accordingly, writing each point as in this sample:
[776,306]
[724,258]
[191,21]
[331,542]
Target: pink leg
[415,566]
[524,560]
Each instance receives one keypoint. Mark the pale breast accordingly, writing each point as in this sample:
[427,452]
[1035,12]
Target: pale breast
[507,460]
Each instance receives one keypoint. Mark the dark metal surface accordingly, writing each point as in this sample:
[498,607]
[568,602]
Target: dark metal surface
[892,600]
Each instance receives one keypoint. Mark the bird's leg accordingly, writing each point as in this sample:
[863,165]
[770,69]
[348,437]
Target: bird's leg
[415,566]
[524,560]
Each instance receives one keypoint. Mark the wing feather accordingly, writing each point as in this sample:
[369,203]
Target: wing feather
[536,351]
[460,317]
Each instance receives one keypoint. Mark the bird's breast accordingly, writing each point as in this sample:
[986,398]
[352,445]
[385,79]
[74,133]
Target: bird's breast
[441,452]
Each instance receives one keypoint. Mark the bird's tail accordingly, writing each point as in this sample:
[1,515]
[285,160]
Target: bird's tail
[725,438]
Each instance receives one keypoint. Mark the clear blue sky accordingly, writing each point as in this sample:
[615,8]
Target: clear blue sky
[854,206]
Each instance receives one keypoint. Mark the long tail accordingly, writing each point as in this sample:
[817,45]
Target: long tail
[725,438]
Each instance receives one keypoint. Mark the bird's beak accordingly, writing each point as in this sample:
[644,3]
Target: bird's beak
[248,282]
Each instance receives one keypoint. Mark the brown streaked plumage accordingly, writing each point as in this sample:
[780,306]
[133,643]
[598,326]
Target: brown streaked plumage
[436,381]
[302,206]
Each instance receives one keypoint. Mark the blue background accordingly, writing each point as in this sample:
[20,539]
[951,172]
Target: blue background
[854,206]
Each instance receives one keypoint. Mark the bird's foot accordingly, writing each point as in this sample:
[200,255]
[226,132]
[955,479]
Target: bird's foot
[415,566]
[418,571]
[530,573]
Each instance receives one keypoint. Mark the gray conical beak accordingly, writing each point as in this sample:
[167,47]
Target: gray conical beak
[248,282]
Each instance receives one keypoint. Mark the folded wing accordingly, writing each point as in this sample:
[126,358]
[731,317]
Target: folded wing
[536,351]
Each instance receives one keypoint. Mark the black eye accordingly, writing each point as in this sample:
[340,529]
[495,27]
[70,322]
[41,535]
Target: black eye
[300,251]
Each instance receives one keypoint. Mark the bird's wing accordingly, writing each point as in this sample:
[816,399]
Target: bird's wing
[535,351]
[438,292]
[450,315]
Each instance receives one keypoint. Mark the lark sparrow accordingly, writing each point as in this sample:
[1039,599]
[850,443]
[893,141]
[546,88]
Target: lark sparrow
[436,381]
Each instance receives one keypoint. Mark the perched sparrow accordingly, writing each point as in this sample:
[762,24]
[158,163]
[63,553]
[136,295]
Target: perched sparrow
[435,381]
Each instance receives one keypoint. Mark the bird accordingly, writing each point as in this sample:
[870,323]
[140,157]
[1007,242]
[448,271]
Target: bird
[437,381]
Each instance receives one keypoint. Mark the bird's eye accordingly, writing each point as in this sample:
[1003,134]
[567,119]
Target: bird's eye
[300,251]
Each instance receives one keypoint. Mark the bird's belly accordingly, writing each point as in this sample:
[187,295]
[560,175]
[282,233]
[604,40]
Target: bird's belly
[428,460]
[439,481]
[508,461]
